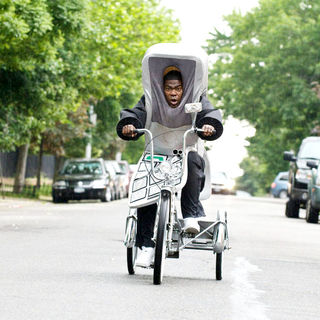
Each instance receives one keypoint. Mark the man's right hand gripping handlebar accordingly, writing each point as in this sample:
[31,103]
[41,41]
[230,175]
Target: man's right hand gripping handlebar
[129,130]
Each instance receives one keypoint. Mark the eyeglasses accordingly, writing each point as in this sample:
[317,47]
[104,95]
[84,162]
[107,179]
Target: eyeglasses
[177,89]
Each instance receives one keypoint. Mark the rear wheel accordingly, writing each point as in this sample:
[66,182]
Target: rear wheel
[283,194]
[219,266]
[160,248]
[292,208]
[131,259]
[312,214]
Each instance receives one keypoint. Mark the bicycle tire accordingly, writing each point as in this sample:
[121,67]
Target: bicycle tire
[219,266]
[131,259]
[160,247]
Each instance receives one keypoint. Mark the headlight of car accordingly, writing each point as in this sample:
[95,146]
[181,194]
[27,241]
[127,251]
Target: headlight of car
[60,184]
[303,174]
[98,184]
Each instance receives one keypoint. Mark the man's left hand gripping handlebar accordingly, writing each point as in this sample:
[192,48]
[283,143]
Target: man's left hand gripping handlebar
[208,130]
[129,131]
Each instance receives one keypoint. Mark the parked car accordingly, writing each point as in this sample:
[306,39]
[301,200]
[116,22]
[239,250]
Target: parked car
[127,173]
[300,174]
[221,183]
[279,186]
[118,177]
[313,202]
[82,179]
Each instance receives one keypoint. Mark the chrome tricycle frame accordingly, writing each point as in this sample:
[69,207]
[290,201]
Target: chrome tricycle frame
[213,236]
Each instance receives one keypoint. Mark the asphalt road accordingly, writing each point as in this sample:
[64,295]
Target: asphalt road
[67,261]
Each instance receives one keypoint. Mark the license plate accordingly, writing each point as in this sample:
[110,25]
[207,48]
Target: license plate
[78,190]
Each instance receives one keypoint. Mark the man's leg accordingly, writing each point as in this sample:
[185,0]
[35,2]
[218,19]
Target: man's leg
[146,218]
[191,206]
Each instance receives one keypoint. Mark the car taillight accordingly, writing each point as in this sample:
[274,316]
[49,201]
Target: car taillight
[273,185]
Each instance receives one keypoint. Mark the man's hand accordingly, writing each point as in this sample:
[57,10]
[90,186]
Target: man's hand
[128,131]
[208,130]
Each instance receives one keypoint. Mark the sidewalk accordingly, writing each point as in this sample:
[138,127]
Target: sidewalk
[12,202]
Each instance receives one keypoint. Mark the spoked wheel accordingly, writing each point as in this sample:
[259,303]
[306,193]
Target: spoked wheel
[160,248]
[131,259]
[219,266]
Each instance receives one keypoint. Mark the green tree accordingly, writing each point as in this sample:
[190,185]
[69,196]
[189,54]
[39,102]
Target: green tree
[266,72]
[118,37]
[57,53]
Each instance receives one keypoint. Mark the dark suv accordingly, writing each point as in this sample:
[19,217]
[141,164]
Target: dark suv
[82,179]
[300,174]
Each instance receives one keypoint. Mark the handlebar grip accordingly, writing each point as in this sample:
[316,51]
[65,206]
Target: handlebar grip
[201,131]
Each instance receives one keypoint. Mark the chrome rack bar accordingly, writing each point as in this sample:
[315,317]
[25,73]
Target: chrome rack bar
[199,234]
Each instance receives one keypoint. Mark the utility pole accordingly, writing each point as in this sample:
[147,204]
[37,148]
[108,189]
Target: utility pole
[93,121]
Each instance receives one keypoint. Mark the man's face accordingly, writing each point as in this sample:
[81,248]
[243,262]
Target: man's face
[173,91]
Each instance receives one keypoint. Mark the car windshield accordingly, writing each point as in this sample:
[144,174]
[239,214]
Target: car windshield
[310,150]
[109,167]
[218,176]
[85,167]
[284,177]
[123,167]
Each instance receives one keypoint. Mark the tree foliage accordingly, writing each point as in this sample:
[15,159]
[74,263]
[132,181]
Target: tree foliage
[54,54]
[38,81]
[266,71]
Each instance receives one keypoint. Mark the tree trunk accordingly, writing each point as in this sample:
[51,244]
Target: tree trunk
[39,164]
[58,164]
[21,169]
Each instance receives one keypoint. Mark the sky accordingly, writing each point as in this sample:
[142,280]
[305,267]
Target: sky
[197,20]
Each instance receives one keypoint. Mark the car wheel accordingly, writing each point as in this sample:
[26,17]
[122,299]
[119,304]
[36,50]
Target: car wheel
[56,199]
[107,195]
[312,214]
[283,194]
[292,208]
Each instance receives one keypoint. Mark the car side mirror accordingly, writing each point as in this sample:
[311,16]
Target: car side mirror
[289,156]
[312,164]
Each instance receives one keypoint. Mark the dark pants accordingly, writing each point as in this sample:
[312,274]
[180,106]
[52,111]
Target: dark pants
[190,203]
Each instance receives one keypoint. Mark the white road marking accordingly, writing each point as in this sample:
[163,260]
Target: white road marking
[244,299]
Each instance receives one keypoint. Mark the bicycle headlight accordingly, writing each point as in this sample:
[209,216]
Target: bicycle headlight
[303,174]
[165,168]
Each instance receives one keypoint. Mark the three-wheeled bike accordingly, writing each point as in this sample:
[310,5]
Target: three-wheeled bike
[162,169]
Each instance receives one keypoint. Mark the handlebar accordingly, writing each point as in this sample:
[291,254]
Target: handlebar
[149,133]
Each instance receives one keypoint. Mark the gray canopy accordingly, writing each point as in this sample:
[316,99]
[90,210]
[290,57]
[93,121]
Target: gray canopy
[193,63]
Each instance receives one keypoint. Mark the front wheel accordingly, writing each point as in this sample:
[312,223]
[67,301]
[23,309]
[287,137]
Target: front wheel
[312,214]
[219,266]
[131,259]
[160,248]
[292,208]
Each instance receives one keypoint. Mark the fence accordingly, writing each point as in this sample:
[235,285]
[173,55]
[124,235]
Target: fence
[8,163]
[27,191]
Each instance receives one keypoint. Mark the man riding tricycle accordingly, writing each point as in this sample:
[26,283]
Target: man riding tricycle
[173,113]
